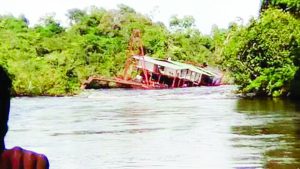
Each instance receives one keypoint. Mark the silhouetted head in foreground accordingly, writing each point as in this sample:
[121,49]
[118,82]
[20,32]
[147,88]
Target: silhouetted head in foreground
[5,86]
[15,158]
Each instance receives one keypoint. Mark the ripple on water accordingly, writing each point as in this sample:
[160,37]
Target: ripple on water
[204,127]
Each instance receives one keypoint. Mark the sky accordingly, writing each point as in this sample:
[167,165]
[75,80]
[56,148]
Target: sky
[206,12]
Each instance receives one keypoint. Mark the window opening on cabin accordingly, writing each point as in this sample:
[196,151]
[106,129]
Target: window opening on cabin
[161,68]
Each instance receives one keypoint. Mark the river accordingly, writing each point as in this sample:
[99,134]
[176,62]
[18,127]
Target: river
[204,127]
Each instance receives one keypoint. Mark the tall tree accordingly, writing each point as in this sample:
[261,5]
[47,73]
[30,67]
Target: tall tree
[76,15]
[292,6]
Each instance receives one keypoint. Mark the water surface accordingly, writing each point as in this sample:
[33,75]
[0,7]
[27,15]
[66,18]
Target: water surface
[205,127]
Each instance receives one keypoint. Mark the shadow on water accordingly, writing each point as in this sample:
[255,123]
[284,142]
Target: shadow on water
[274,126]
[295,89]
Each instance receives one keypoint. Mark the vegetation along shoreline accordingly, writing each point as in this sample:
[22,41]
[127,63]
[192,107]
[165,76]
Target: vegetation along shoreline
[262,57]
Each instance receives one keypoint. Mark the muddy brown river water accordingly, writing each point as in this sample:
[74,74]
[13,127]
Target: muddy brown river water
[205,127]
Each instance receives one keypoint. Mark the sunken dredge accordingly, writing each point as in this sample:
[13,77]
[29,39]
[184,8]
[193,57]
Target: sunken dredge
[145,72]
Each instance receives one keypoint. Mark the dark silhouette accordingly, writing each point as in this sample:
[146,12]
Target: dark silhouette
[15,158]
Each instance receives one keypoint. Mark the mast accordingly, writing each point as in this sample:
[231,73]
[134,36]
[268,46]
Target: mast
[135,47]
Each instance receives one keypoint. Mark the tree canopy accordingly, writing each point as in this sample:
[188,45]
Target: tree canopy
[48,59]
[292,6]
[262,57]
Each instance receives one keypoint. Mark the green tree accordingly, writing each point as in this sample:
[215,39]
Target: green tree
[76,15]
[49,27]
[49,59]
[187,22]
[292,6]
[262,56]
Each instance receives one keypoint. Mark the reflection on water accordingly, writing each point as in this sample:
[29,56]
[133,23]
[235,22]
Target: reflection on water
[272,127]
[206,127]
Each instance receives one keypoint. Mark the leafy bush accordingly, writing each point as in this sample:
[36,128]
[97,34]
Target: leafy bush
[264,56]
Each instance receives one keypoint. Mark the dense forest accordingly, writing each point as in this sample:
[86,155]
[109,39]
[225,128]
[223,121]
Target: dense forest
[264,56]
[261,57]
